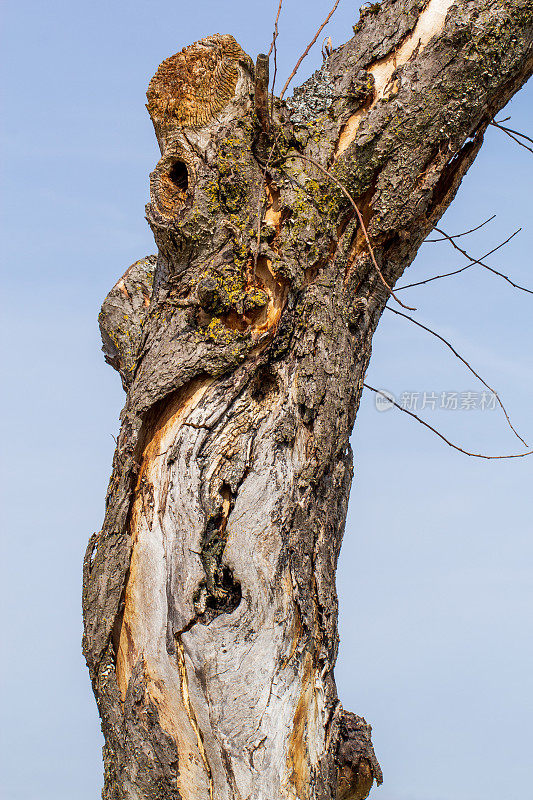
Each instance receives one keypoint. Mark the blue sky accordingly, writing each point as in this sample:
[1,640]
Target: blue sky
[434,579]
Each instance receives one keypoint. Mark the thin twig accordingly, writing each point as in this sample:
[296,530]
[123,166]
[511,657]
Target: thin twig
[263,179]
[359,217]
[465,233]
[515,138]
[482,264]
[260,201]
[275,36]
[273,83]
[473,263]
[273,46]
[444,439]
[467,365]
[514,135]
[307,49]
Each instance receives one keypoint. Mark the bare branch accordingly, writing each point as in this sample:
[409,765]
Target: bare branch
[473,262]
[514,135]
[467,365]
[465,233]
[275,36]
[307,49]
[444,439]
[274,47]
[263,179]
[273,83]
[481,263]
[359,217]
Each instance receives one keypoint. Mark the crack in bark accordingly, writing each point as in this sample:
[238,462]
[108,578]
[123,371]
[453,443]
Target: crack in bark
[184,685]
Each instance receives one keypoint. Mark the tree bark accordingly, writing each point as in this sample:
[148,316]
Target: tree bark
[209,595]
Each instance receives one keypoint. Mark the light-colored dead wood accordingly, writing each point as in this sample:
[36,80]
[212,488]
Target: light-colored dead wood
[430,24]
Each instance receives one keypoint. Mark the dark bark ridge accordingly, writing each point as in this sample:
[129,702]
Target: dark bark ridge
[209,595]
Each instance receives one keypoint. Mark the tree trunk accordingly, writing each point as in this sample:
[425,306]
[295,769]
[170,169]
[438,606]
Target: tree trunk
[209,595]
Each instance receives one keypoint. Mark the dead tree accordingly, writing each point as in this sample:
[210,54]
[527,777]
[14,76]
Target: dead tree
[209,594]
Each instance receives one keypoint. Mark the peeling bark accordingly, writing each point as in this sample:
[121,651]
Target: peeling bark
[209,595]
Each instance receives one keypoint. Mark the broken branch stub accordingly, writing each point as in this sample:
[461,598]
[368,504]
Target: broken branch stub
[210,608]
[262,81]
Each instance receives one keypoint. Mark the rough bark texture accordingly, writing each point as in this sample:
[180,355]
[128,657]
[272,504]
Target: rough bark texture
[209,594]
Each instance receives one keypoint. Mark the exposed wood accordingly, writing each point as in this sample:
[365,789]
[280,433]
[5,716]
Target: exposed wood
[209,595]
[429,24]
